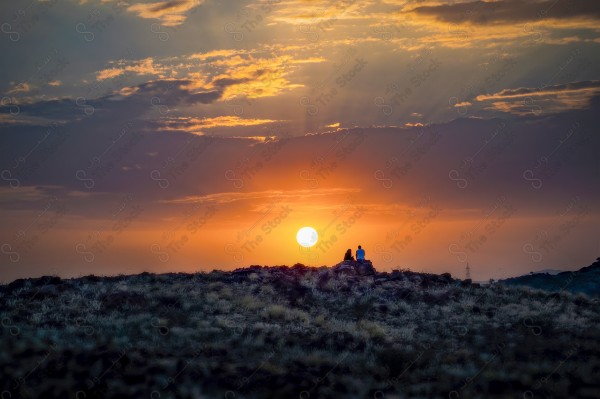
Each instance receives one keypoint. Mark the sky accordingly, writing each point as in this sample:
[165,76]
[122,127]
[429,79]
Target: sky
[191,135]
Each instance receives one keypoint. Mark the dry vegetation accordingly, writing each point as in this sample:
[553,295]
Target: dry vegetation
[294,333]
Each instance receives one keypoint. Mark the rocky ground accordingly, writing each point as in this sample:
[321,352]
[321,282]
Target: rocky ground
[294,332]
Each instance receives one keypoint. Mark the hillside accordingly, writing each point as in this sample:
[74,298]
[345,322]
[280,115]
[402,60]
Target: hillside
[294,332]
[548,271]
[585,280]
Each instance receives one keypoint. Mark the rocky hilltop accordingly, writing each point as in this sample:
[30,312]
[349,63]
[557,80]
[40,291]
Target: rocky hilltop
[294,332]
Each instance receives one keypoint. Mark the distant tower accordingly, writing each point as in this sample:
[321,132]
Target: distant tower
[468,272]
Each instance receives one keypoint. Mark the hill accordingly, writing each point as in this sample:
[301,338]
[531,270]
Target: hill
[585,280]
[548,271]
[294,332]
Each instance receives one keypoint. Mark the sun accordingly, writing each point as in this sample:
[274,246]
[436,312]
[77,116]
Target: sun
[307,237]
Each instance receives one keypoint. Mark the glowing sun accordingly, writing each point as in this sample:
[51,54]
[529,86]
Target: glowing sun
[307,237]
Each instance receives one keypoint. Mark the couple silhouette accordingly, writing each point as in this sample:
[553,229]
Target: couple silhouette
[360,255]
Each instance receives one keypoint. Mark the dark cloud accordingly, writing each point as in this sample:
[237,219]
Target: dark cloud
[54,109]
[222,82]
[487,156]
[593,84]
[511,11]
[133,100]
[168,5]
[544,100]
[175,92]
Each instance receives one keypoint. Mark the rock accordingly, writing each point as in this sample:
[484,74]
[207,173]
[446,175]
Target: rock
[353,268]
[365,269]
[343,266]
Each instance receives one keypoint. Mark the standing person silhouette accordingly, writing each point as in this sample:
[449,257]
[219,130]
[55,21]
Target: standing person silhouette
[360,255]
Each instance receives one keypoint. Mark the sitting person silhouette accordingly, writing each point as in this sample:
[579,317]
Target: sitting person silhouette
[348,255]
[360,255]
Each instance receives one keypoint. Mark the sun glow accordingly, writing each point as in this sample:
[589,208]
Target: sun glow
[307,237]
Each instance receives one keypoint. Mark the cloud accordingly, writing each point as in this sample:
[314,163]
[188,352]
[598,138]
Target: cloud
[300,195]
[386,165]
[241,73]
[140,67]
[511,11]
[216,54]
[170,13]
[317,16]
[463,104]
[26,194]
[252,73]
[176,91]
[260,77]
[20,88]
[133,101]
[494,23]
[197,125]
[548,99]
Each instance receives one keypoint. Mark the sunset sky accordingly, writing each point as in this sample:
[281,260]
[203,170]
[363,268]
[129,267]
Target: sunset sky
[187,135]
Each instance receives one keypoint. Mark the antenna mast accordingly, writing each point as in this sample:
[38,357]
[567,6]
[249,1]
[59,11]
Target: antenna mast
[468,272]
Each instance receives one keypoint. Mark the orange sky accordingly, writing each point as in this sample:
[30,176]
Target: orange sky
[433,133]
[412,216]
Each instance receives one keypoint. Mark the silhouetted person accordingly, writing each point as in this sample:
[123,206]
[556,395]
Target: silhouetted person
[360,255]
[348,255]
